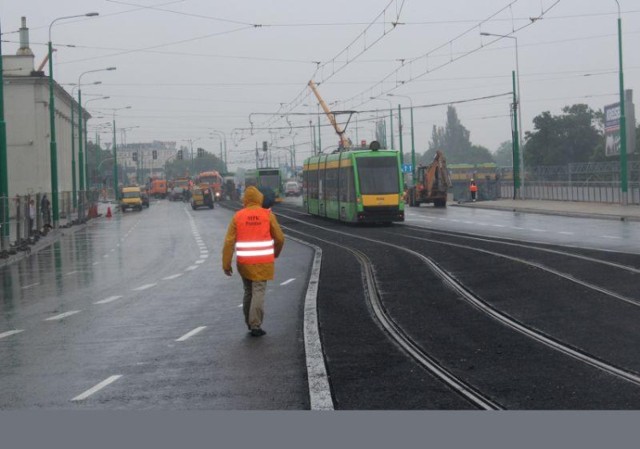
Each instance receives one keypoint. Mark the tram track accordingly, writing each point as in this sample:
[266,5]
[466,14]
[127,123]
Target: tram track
[391,326]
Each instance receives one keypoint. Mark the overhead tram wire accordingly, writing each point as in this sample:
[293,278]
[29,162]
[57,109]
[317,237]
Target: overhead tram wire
[304,93]
[370,111]
[373,91]
[183,41]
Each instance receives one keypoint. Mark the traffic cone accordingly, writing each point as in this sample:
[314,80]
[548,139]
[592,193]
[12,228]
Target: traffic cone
[109,212]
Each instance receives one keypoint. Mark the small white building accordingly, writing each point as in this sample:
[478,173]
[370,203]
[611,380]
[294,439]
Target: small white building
[26,104]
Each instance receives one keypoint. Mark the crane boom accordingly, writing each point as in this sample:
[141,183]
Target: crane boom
[344,141]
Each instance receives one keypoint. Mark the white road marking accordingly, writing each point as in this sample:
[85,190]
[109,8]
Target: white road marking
[100,386]
[192,267]
[173,276]
[144,287]
[107,300]
[30,285]
[192,333]
[10,333]
[288,281]
[62,315]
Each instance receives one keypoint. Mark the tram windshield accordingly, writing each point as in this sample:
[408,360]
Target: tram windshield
[378,175]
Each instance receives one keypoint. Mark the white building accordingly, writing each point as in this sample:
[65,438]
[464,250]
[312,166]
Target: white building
[26,101]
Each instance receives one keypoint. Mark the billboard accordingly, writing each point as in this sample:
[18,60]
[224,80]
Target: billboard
[612,126]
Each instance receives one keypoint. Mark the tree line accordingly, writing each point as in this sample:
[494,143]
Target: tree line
[576,135]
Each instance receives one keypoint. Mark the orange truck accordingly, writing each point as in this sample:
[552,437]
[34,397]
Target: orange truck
[212,180]
[158,188]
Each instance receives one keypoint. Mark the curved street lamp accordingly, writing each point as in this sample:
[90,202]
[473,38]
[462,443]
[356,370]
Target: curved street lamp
[53,145]
[413,140]
[115,156]
[81,163]
[518,156]
[390,116]
[623,117]
[86,159]
[222,133]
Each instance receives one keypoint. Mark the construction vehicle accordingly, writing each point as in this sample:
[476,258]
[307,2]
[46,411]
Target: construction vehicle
[432,183]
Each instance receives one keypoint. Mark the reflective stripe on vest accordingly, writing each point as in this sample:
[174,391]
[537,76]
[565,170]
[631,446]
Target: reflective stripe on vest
[254,243]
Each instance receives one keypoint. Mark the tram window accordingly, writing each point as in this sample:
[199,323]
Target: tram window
[346,184]
[378,175]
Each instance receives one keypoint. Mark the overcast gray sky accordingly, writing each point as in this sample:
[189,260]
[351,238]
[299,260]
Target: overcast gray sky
[189,67]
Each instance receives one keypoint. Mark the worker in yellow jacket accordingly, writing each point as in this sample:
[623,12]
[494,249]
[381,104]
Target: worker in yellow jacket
[256,236]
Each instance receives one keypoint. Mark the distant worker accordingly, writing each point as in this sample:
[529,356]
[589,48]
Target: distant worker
[32,215]
[45,211]
[473,188]
[255,234]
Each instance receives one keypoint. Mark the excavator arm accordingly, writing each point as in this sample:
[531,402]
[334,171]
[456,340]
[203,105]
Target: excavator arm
[344,141]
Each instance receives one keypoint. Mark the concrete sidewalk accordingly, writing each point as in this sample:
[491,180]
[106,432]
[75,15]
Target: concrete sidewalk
[565,208]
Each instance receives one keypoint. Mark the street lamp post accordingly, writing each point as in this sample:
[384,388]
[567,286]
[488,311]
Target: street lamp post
[53,145]
[224,136]
[84,166]
[623,118]
[80,140]
[390,117]
[518,102]
[73,148]
[115,156]
[413,140]
[4,172]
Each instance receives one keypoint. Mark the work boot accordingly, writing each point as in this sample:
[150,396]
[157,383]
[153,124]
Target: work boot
[257,332]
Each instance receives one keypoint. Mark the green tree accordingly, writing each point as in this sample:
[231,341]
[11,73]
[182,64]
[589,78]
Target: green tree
[504,154]
[570,137]
[453,140]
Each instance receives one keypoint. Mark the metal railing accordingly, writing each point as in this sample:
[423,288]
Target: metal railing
[588,191]
[28,218]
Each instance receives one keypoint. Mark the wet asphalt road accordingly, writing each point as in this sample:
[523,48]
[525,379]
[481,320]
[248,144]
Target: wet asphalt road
[561,230]
[134,312]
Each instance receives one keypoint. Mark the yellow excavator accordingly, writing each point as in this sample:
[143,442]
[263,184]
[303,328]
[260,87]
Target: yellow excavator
[345,142]
[432,183]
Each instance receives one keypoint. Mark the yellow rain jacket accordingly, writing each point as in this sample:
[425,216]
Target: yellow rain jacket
[252,199]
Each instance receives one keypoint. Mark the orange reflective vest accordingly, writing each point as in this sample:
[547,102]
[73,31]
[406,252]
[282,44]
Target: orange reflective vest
[254,243]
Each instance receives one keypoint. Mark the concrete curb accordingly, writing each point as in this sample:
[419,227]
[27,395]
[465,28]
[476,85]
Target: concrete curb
[543,211]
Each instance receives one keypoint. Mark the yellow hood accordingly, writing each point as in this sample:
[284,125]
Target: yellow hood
[252,197]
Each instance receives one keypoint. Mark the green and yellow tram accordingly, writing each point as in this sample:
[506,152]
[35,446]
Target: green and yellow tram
[356,186]
[265,177]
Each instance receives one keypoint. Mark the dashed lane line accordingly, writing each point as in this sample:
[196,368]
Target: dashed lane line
[144,287]
[98,387]
[10,333]
[108,300]
[190,334]
[288,281]
[62,315]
